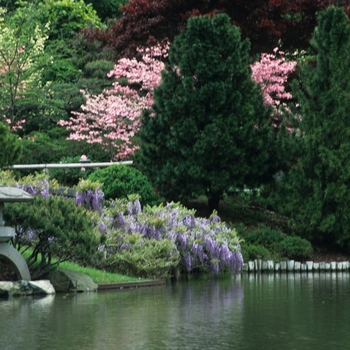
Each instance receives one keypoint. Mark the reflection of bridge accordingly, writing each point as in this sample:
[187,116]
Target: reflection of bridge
[12,255]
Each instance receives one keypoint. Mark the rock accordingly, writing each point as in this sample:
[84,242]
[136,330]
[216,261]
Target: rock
[245,267]
[290,265]
[21,288]
[270,265]
[251,266]
[322,266]
[283,265]
[65,281]
[257,264]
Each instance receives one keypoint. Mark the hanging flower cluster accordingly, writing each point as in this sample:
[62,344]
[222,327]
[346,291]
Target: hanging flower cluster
[90,195]
[203,244]
[36,185]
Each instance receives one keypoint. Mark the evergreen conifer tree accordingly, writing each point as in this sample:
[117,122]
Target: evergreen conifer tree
[209,129]
[316,192]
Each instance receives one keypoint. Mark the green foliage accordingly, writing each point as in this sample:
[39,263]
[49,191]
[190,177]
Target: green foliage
[316,193]
[94,76]
[45,148]
[107,9]
[263,243]
[67,17]
[86,185]
[10,147]
[119,181]
[294,247]
[209,131]
[22,58]
[191,245]
[70,176]
[53,228]
[148,258]
[264,236]
[266,243]
[251,252]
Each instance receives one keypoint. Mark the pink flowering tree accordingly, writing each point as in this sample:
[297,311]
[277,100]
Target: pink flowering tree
[272,72]
[112,118]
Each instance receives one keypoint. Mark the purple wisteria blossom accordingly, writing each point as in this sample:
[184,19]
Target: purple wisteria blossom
[91,199]
[203,244]
[40,188]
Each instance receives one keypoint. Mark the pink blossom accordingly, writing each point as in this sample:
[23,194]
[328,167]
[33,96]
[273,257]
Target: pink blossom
[272,72]
[112,118]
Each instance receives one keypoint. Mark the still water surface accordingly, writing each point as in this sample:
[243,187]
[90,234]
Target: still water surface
[282,312]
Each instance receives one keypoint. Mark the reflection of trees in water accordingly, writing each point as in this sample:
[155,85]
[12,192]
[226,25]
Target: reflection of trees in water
[187,315]
[296,310]
[51,322]
[203,315]
[277,311]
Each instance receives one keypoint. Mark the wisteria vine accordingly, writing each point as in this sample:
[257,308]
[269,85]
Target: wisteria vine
[203,244]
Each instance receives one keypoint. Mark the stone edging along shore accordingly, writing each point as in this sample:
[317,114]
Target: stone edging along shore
[294,266]
[129,285]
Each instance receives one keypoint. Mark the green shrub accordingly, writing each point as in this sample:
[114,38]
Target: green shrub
[40,148]
[254,251]
[265,236]
[144,258]
[192,245]
[53,228]
[294,247]
[119,181]
[70,176]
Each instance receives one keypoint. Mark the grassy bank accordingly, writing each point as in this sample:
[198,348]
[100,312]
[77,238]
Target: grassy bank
[98,276]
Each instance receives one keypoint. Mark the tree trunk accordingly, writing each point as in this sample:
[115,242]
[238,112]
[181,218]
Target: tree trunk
[214,201]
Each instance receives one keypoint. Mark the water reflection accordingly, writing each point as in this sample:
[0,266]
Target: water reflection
[262,311]
[298,311]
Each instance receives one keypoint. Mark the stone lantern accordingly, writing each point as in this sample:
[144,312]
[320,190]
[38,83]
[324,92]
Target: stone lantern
[12,194]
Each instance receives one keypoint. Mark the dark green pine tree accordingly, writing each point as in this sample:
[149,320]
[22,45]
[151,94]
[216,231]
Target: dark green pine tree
[209,129]
[316,192]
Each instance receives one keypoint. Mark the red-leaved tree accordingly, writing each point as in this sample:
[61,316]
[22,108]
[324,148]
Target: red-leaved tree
[113,117]
[264,22]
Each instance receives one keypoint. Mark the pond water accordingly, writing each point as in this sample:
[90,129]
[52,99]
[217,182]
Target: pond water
[285,311]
